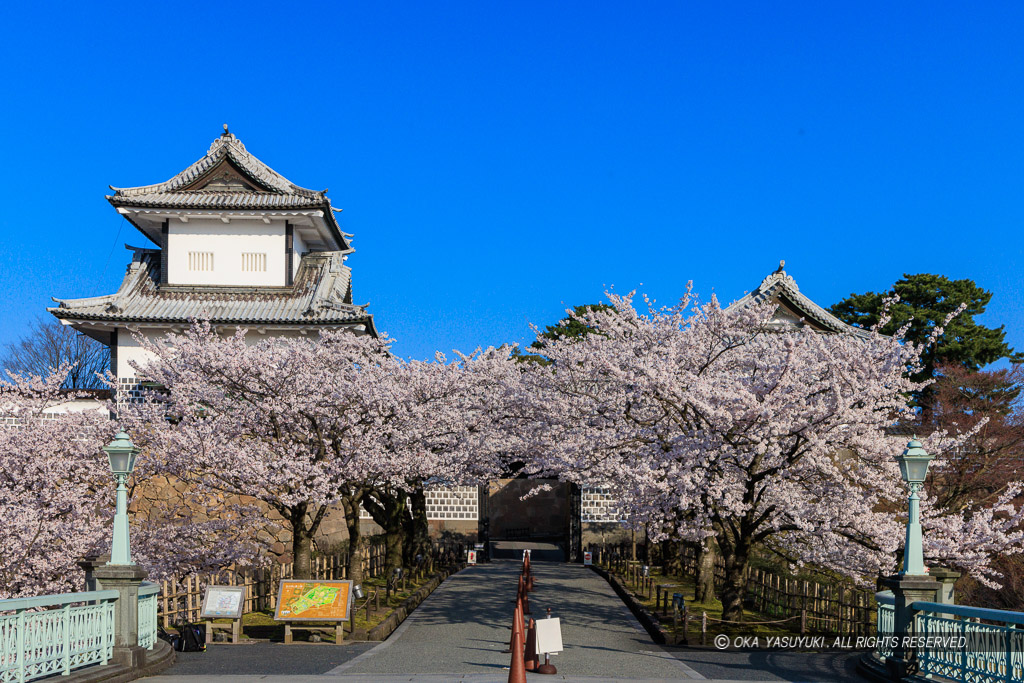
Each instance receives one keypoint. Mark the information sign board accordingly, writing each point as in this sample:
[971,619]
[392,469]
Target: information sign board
[588,559]
[313,600]
[549,636]
[223,602]
[471,558]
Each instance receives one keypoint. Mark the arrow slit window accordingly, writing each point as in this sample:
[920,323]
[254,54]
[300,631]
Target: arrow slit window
[254,263]
[200,261]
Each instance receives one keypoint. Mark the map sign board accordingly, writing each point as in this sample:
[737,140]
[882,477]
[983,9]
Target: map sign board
[313,600]
[549,636]
[223,602]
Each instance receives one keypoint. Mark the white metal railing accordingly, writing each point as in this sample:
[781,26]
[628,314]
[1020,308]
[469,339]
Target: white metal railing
[991,652]
[885,621]
[55,634]
[148,593]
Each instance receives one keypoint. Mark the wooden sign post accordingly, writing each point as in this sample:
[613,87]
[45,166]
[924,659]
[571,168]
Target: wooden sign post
[223,602]
[314,601]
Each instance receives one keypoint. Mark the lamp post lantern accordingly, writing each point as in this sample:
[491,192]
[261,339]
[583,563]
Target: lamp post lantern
[914,468]
[121,453]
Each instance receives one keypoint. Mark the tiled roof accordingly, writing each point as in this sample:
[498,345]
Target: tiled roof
[782,288]
[321,295]
[220,200]
[228,177]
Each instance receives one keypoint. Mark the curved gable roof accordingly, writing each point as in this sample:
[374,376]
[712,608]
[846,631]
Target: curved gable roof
[795,308]
[228,177]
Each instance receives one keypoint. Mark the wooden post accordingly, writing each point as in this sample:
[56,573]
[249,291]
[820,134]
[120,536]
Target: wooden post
[287,634]
[163,597]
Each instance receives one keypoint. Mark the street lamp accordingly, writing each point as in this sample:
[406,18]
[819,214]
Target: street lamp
[121,453]
[914,468]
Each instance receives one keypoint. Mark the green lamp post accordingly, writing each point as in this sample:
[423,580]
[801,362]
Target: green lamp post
[914,468]
[121,453]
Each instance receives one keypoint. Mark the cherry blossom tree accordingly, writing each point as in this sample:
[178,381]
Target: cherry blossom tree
[57,496]
[444,431]
[715,423]
[306,424]
[55,491]
[290,423]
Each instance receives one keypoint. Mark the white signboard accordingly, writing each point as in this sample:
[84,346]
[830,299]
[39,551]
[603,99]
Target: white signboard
[223,601]
[588,559]
[472,557]
[549,636]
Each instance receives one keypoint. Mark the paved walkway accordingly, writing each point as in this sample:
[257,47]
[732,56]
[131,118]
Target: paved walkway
[458,634]
[465,626]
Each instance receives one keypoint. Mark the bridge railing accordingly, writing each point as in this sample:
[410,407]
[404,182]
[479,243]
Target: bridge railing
[885,621]
[55,634]
[971,644]
[992,642]
[149,594]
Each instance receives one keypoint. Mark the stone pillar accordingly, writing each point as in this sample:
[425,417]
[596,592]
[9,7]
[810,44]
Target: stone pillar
[89,566]
[907,589]
[125,579]
[946,577]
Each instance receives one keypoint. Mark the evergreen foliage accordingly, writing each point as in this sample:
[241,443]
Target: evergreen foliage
[927,299]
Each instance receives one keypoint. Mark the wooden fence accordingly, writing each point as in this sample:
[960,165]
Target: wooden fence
[182,601]
[831,608]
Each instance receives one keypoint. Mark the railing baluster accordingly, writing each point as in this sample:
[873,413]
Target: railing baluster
[65,620]
[21,646]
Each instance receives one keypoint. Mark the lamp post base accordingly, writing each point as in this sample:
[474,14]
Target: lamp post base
[907,589]
[125,579]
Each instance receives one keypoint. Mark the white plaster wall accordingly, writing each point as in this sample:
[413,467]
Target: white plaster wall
[299,248]
[77,406]
[129,349]
[227,242]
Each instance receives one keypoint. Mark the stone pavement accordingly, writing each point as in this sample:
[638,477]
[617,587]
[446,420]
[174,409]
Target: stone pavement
[459,632]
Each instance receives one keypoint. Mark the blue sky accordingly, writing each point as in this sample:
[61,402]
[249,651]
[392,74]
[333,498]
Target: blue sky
[498,163]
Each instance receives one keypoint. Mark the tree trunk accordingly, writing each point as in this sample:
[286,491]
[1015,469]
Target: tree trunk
[393,537]
[408,531]
[388,509]
[734,586]
[302,544]
[304,525]
[356,540]
[420,527]
[704,591]
[673,558]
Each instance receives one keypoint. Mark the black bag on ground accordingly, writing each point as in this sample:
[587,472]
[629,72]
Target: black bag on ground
[166,637]
[192,639]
